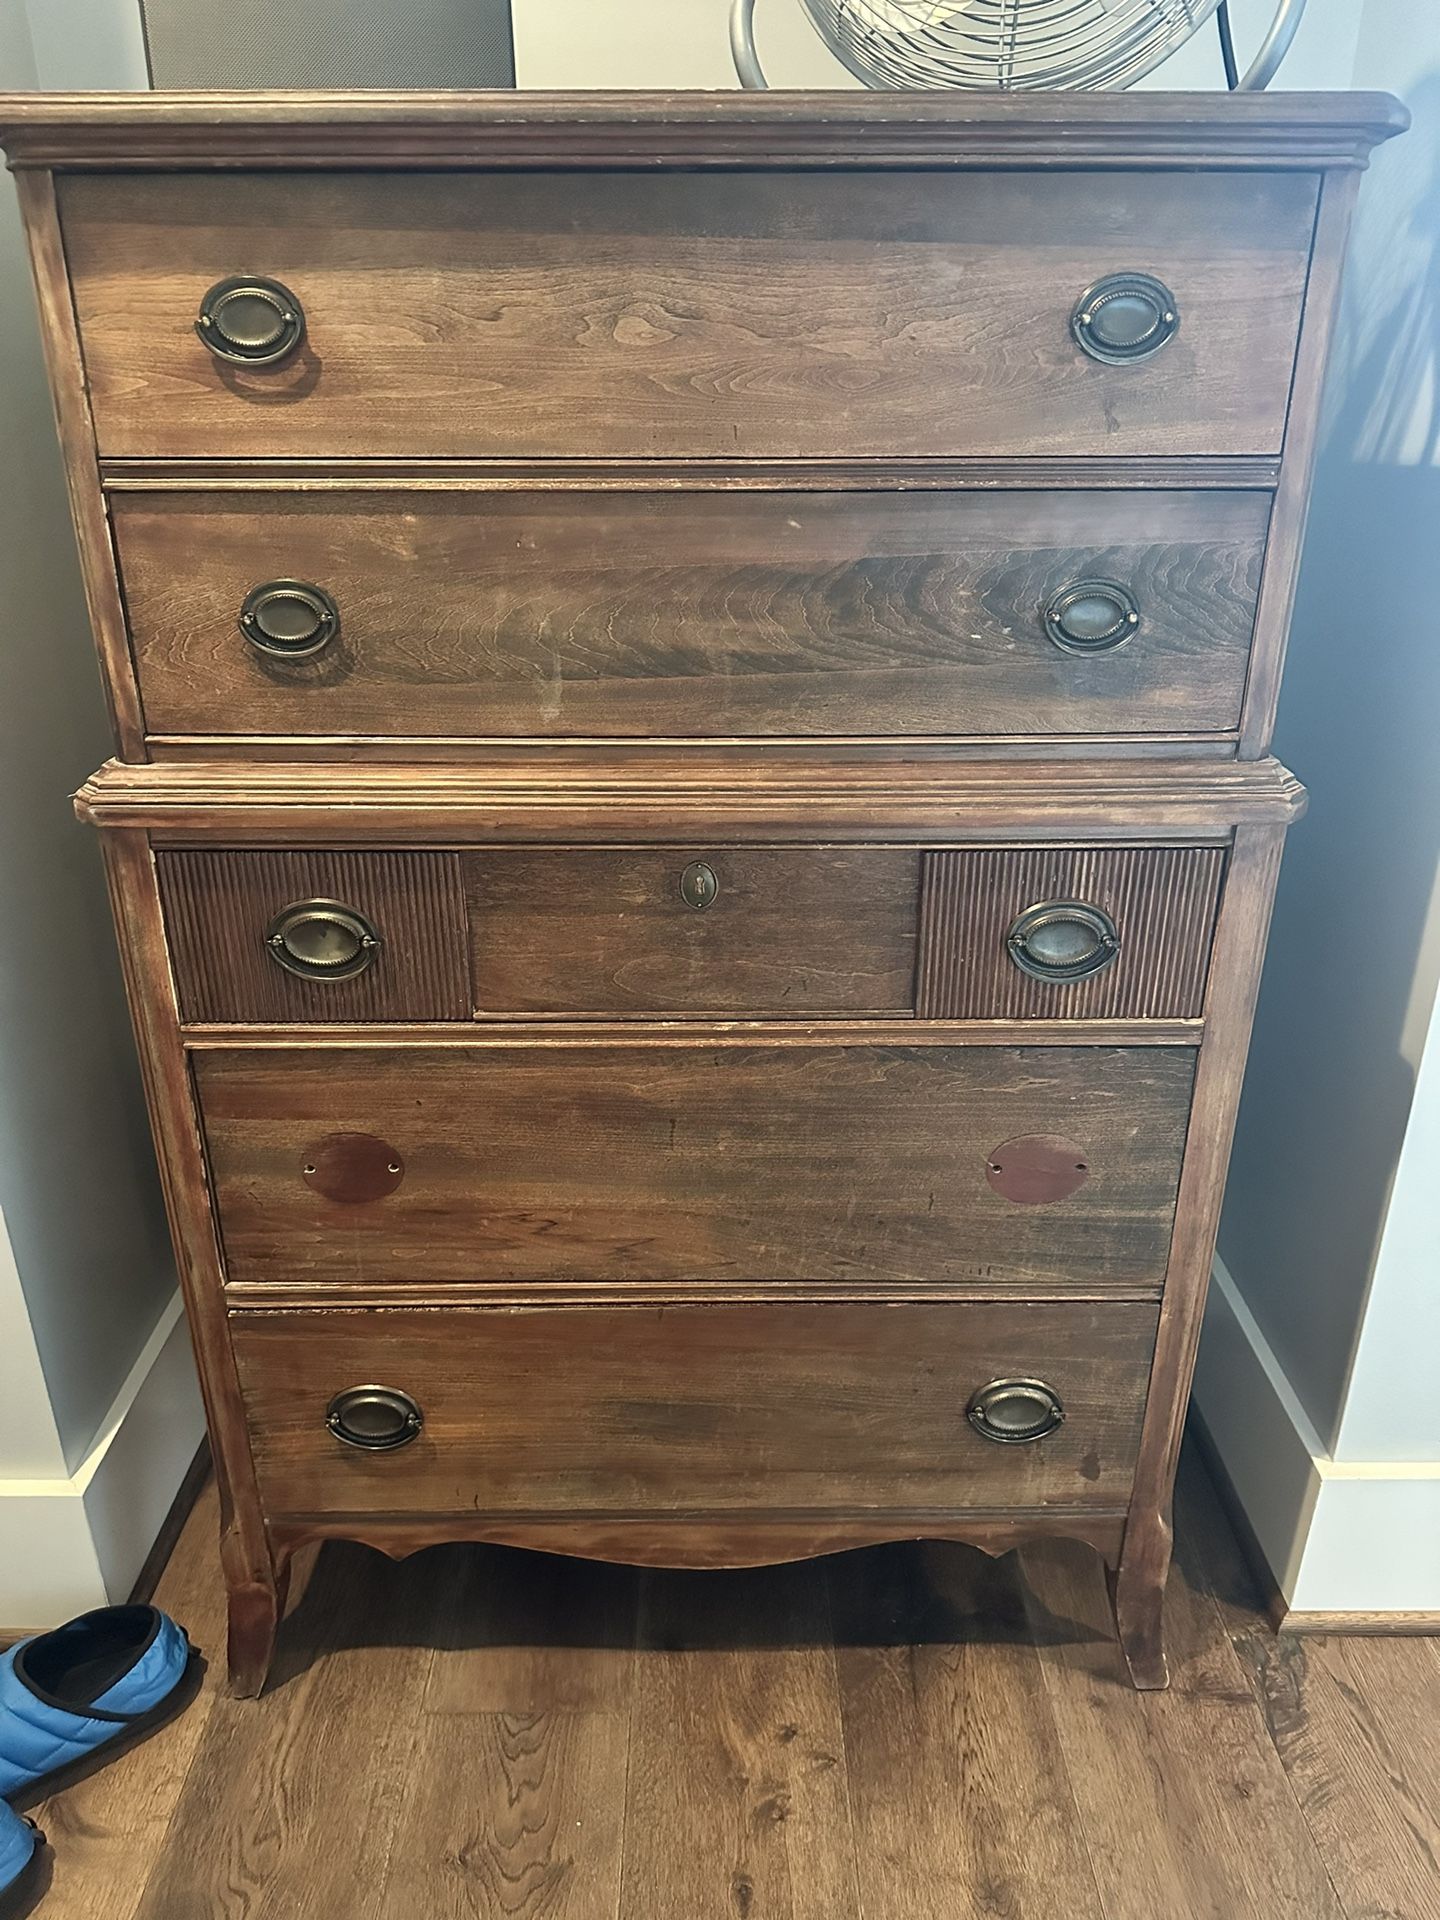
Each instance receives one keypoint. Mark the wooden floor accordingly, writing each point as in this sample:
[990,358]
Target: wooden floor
[908,1733]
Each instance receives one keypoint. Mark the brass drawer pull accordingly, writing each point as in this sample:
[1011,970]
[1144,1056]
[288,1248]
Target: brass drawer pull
[289,619]
[250,321]
[1125,317]
[699,885]
[1091,616]
[1063,940]
[321,940]
[375,1419]
[1012,1412]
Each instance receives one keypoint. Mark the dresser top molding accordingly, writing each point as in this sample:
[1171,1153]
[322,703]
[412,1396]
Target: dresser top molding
[200,131]
[661,799]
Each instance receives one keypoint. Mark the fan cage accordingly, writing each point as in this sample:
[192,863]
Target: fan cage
[1011,44]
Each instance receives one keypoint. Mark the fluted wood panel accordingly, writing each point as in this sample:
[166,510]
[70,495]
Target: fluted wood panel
[219,904]
[1162,899]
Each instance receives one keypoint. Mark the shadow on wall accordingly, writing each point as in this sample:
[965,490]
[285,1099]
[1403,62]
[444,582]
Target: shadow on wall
[78,1186]
[1355,945]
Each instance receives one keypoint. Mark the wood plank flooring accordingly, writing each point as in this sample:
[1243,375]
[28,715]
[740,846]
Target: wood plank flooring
[908,1733]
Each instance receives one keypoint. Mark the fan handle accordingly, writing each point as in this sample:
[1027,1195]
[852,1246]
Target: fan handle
[1258,74]
[1273,48]
[742,47]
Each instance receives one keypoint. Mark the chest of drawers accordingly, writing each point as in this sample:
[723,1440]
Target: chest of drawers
[692,832]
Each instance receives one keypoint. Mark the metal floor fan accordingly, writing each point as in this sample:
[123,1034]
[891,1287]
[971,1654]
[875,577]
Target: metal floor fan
[1014,44]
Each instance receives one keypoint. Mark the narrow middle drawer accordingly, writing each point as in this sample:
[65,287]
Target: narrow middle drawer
[691,615]
[763,931]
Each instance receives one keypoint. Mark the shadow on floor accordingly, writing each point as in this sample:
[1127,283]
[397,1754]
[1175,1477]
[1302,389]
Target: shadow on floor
[477,1596]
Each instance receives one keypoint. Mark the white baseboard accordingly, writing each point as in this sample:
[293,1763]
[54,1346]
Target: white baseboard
[1342,1537]
[67,1544]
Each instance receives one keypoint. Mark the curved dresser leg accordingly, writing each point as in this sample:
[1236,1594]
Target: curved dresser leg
[255,1607]
[1137,1590]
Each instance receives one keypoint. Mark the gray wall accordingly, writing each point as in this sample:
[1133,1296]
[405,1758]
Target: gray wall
[1355,954]
[77,1178]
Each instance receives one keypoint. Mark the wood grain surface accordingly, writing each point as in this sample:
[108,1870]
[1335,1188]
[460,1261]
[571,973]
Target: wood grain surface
[1174,1790]
[602,128]
[608,1411]
[956,1736]
[790,931]
[792,315]
[689,614]
[644,795]
[219,906]
[606,1164]
[1162,902]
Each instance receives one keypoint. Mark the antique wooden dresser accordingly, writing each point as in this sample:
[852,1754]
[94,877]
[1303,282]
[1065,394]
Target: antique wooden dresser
[692,832]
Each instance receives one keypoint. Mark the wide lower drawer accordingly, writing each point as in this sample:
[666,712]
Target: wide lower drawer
[685,615]
[326,935]
[702,314]
[1022,1170]
[692,1409]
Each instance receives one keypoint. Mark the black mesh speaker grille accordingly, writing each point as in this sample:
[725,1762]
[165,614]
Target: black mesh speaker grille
[329,43]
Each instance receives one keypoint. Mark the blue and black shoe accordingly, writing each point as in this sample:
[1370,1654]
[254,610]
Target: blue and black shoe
[73,1699]
[21,1864]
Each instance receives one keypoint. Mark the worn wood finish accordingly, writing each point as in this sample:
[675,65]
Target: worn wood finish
[1195,473]
[794,315]
[708,1540]
[715,1033]
[1162,902]
[692,614]
[717,1408]
[1302,438]
[788,932]
[218,910]
[254,1583]
[223,130]
[663,797]
[70,397]
[691,472]
[619,1166]
[1236,961]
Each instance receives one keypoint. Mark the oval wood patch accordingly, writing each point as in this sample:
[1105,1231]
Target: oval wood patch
[352,1167]
[1034,1168]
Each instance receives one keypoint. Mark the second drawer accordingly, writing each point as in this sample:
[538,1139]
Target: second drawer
[396,616]
[321,935]
[1003,1169]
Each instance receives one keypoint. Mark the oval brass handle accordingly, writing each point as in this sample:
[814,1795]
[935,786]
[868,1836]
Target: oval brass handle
[1125,317]
[1012,1412]
[321,940]
[289,619]
[1091,616]
[377,1419]
[250,321]
[1063,940]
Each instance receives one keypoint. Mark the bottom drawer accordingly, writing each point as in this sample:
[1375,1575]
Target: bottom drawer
[695,1408]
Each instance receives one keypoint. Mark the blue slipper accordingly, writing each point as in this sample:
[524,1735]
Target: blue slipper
[20,1861]
[72,1699]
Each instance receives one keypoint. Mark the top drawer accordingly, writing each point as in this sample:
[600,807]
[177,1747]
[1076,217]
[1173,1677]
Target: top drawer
[677,315]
